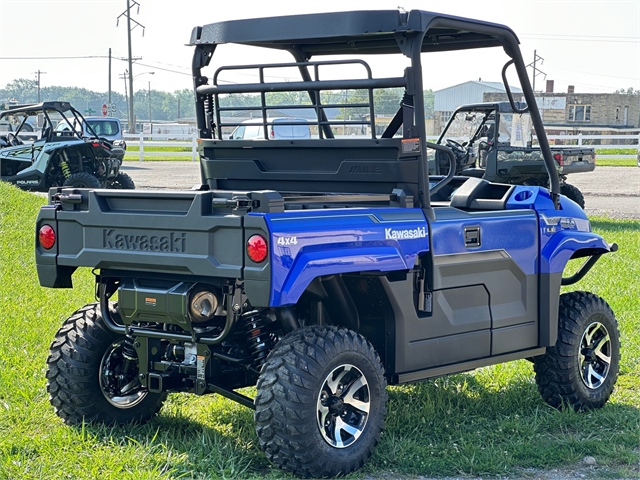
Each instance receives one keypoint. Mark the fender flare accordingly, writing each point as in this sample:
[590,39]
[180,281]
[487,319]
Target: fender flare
[568,244]
[309,265]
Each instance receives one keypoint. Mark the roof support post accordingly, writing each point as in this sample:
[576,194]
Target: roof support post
[201,57]
[315,99]
[412,47]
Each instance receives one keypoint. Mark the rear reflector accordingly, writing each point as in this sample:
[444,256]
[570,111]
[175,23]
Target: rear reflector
[257,248]
[47,237]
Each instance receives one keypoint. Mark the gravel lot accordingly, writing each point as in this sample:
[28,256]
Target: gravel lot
[609,191]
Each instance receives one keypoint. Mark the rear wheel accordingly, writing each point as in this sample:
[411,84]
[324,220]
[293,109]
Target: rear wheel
[321,402]
[582,368]
[122,182]
[82,180]
[92,374]
[572,193]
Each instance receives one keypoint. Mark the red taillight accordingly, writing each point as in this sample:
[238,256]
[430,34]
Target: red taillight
[47,237]
[272,134]
[558,157]
[257,248]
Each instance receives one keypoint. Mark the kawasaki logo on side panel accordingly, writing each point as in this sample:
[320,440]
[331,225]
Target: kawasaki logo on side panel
[391,234]
[175,242]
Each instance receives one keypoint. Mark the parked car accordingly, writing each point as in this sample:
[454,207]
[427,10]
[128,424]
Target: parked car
[282,128]
[108,128]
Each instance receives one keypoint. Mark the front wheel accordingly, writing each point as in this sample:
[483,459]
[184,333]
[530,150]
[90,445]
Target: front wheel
[92,374]
[122,182]
[321,402]
[582,368]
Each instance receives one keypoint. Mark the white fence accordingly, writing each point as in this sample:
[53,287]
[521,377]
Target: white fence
[580,138]
[145,140]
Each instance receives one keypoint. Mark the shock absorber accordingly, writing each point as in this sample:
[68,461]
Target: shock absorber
[209,111]
[66,171]
[129,354]
[259,339]
[64,163]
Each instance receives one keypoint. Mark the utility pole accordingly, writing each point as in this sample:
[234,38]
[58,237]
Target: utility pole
[39,73]
[536,70]
[127,12]
[150,121]
[126,95]
[178,108]
[109,100]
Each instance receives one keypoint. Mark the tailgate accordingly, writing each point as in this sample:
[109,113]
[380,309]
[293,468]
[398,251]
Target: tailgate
[164,232]
[576,160]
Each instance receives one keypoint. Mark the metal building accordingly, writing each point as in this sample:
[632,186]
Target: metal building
[450,98]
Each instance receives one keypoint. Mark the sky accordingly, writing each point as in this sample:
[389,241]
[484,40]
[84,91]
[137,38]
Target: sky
[593,45]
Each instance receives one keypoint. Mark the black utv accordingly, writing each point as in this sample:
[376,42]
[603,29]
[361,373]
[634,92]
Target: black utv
[59,157]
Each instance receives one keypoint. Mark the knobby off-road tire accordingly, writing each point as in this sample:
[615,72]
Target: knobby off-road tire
[82,180]
[572,193]
[122,182]
[75,376]
[321,376]
[581,370]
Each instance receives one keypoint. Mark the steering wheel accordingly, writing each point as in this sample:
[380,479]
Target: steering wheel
[453,145]
[13,139]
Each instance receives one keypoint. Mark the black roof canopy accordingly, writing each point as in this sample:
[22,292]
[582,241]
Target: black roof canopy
[359,32]
[34,109]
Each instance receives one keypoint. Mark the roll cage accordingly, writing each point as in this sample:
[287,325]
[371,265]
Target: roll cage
[360,33]
[64,109]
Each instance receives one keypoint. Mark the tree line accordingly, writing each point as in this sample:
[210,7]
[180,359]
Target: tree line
[169,106]
[164,105]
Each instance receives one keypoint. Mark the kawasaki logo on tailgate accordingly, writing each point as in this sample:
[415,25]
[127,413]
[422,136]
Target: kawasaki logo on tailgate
[173,242]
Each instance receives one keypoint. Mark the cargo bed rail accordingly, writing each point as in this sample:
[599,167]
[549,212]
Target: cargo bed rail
[312,86]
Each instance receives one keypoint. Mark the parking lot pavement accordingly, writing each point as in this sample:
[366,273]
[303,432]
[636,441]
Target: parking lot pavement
[609,191]
[163,175]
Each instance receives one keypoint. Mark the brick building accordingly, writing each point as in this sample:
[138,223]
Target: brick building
[582,112]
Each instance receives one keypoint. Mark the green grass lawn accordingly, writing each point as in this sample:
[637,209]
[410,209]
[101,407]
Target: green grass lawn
[616,162]
[133,153]
[490,422]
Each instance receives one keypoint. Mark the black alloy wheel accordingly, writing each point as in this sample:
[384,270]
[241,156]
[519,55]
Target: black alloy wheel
[321,402]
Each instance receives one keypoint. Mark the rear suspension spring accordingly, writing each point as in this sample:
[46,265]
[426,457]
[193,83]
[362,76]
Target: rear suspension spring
[66,171]
[260,340]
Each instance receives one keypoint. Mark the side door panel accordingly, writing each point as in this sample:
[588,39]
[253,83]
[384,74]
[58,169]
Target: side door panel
[484,298]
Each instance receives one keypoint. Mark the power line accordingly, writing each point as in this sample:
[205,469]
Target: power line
[586,37]
[54,58]
[580,38]
[595,74]
[161,68]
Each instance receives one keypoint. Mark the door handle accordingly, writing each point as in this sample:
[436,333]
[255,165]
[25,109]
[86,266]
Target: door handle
[471,237]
